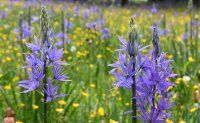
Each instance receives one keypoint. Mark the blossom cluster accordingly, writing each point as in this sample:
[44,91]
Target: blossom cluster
[44,60]
[151,73]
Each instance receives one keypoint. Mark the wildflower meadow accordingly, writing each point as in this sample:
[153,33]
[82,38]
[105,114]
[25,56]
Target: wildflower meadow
[99,61]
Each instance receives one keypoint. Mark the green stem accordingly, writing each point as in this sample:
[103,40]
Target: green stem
[45,86]
[63,29]
[134,108]
[197,32]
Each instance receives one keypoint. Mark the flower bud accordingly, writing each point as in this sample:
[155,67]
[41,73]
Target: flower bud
[190,5]
[156,43]
[133,38]
[45,30]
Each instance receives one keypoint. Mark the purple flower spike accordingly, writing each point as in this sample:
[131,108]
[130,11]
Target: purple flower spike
[44,59]
[153,72]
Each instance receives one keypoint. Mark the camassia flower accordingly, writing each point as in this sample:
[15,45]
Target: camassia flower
[35,46]
[52,92]
[45,57]
[68,24]
[124,78]
[31,84]
[151,74]
[26,31]
[60,36]
[3,14]
[153,85]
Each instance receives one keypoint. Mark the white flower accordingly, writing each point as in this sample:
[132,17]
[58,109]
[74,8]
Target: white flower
[73,49]
[186,79]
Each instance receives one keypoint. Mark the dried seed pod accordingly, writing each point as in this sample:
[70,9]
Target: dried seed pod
[9,112]
[196,95]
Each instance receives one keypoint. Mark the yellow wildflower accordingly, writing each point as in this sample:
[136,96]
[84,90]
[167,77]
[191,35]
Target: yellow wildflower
[78,54]
[76,105]
[192,110]
[3,60]
[30,69]
[85,94]
[170,88]
[8,58]
[71,19]
[18,121]
[101,111]
[7,87]
[180,79]
[191,60]
[92,114]
[167,79]
[35,106]
[195,87]
[169,56]
[92,85]
[22,105]
[113,94]
[196,16]
[182,107]
[123,29]
[178,38]
[177,82]
[66,52]
[119,99]
[99,56]
[127,104]
[144,40]
[56,23]
[175,96]
[15,79]
[23,40]
[59,110]
[15,49]
[91,66]
[69,57]
[108,48]
[181,121]
[112,78]
[14,39]
[61,102]
[113,121]
[187,18]
[169,121]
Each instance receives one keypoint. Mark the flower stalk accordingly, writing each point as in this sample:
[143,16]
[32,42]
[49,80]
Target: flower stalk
[29,20]
[45,41]
[133,36]
[156,54]
[21,34]
[63,28]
